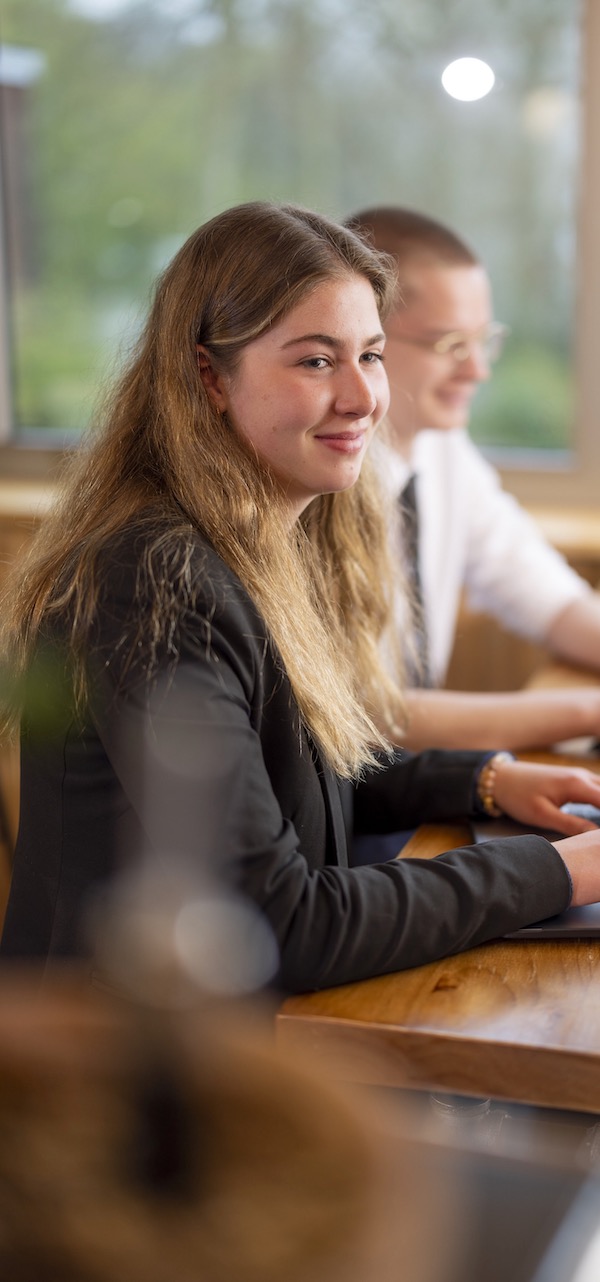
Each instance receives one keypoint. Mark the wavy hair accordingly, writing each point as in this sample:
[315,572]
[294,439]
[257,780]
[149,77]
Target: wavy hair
[162,456]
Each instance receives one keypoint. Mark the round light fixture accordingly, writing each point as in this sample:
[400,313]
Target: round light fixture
[468,79]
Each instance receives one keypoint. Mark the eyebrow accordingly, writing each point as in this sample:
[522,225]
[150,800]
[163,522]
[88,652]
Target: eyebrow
[327,341]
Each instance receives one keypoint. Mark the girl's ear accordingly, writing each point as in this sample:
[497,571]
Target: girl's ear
[213,382]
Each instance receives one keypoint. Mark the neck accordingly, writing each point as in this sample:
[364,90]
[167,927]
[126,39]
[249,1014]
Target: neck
[399,439]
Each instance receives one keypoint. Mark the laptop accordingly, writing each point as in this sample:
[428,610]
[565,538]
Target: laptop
[575,923]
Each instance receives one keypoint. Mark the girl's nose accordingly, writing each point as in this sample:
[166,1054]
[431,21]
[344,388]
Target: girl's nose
[355,394]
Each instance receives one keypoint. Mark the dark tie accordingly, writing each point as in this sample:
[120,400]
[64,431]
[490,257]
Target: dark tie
[418,674]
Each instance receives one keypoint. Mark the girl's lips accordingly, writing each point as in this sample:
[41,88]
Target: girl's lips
[345,442]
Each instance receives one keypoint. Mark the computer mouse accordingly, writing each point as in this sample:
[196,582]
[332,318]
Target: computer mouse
[583,810]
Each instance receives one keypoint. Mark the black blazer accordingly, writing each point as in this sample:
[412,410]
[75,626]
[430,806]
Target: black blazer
[212,765]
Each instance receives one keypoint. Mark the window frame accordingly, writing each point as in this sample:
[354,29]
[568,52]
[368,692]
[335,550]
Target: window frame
[6,407]
[569,478]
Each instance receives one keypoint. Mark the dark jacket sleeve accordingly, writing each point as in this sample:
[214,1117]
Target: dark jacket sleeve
[412,788]
[193,765]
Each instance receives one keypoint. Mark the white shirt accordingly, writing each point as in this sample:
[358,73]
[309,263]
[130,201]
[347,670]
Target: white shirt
[475,536]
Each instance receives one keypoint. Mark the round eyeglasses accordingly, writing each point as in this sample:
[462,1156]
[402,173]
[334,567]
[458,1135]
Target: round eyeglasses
[459,345]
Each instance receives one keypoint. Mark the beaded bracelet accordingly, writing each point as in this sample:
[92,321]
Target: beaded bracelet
[486,784]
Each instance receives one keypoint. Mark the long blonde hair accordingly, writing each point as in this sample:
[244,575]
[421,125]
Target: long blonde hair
[167,459]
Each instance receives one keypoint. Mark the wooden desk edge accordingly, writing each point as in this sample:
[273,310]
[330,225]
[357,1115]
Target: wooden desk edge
[396,1056]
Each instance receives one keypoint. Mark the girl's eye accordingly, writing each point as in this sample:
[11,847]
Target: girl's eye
[316,362]
[370,358]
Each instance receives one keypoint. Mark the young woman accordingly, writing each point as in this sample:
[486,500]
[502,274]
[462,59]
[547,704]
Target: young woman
[210,600]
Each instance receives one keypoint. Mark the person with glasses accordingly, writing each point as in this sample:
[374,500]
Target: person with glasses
[442,341]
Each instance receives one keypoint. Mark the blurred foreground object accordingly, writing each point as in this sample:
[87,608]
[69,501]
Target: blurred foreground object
[148,1147]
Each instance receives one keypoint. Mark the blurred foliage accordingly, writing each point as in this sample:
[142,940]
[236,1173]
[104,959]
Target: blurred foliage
[528,403]
[60,364]
[147,121]
[42,697]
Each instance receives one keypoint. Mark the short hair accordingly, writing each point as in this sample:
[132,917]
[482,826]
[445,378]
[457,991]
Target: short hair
[407,235]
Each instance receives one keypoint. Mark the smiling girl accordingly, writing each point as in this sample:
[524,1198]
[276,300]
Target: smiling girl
[214,587]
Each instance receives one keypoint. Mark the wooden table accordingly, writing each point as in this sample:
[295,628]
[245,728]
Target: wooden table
[555,675]
[515,1020]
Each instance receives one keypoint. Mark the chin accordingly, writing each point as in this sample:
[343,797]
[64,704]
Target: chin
[446,420]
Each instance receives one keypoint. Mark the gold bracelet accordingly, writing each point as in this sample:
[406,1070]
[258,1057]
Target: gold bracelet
[486,784]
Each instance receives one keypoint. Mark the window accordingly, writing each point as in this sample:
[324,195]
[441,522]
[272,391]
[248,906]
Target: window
[126,123]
